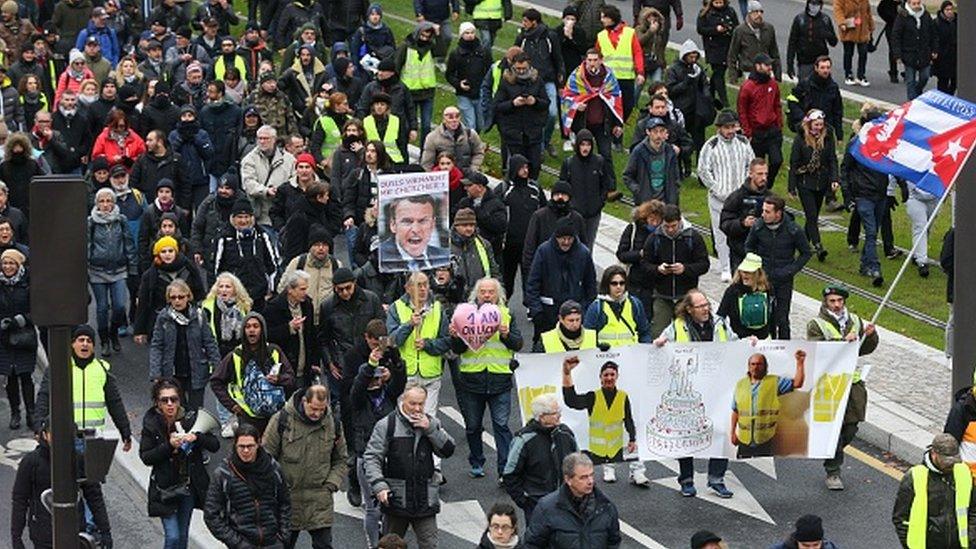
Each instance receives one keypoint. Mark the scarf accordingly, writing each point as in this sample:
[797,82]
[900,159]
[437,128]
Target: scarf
[13,280]
[842,319]
[119,138]
[163,207]
[179,317]
[103,218]
[917,15]
[231,320]
[579,91]
[76,75]
[258,474]
[570,339]
[512,542]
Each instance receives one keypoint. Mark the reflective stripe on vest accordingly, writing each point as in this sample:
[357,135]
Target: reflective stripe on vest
[918,517]
[418,72]
[831,333]
[681,334]
[220,66]
[619,59]
[967,446]
[332,135]
[488,9]
[493,356]
[482,256]
[389,138]
[496,76]
[618,331]
[88,393]
[551,343]
[607,425]
[422,362]
[235,389]
[761,427]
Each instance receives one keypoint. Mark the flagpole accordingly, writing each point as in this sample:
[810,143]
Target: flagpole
[911,254]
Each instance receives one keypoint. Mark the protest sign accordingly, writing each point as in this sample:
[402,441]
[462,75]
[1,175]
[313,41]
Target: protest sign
[413,221]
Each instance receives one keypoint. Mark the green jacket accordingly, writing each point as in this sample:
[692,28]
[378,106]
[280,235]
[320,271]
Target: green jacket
[312,455]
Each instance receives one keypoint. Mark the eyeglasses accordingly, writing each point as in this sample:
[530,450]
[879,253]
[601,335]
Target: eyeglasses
[169,400]
[345,288]
[179,297]
[501,527]
[701,306]
[618,283]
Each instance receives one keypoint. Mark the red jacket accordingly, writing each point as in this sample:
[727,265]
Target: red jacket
[107,147]
[759,106]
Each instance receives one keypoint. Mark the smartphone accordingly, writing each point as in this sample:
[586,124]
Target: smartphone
[384,342]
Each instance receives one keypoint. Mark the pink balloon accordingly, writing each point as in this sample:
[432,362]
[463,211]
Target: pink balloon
[476,325]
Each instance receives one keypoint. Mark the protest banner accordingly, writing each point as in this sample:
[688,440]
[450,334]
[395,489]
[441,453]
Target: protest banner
[683,399]
[413,221]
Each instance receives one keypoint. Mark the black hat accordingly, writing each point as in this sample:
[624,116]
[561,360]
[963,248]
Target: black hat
[118,169]
[162,87]
[188,108]
[341,65]
[726,118]
[252,26]
[92,40]
[100,163]
[387,65]
[154,44]
[381,97]
[654,122]
[127,92]
[569,307]
[229,180]
[809,528]
[836,289]
[82,330]
[562,187]
[475,178]
[585,135]
[570,10]
[701,537]
[565,227]
[242,206]
[165,183]
[342,275]
[763,58]
[184,32]
[319,234]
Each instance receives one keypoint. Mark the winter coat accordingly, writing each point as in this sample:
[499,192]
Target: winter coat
[71,17]
[378,42]
[560,276]
[436,11]
[275,110]
[677,134]
[716,44]
[240,517]
[800,176]
[221,121]
[688,86]
[746,46]
[468,61]
[209,223]
[422,49]
[76,133]
[312,454]
[557,524]
[914,42]
[815,92]
[252,257]
[196,150]
[17,41]
[400,458]
[107,147]
[590,177]
[542,47]
[277,315]
[589,17]
[514,122]
[343,323]
[149,228]
[292,16]
[111,48]
[686,247]
[653,44]
[371,405]
[17,172]
[171,468]
[259,174]
[300,224]
[15,305]
[160,115]
[845,10]
[152,290]
[491,216]
[357,194]
[296,84]
[541,225]
[760,110]
[111,248]
[289,199]
[200,343]
[522,198]
[810,37]
[467,262]
[68,82]
[534,465]
[645,185]
[941,523]
[149,169]
[860,181]
[629,249]
[944,66]
[466,146]
[784,250]
[320,285]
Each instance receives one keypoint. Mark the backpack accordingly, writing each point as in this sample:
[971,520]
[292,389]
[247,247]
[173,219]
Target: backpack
[754,310]
[260,395]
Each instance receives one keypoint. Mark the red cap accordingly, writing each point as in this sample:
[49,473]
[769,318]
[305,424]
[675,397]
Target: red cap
[306,158]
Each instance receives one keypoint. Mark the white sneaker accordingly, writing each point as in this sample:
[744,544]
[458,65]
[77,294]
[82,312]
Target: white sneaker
[609,474]
[863,82]
[850,82]
[638,478]
[227,431]
[726,276]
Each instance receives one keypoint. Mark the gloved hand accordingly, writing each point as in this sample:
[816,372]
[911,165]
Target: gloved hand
[892,202]
[513,364]
[679,23]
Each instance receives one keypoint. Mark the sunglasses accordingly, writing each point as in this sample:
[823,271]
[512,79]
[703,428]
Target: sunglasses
[618,283]
[169,400]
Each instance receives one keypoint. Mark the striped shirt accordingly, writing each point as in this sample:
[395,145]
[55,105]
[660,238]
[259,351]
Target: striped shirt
[723,164]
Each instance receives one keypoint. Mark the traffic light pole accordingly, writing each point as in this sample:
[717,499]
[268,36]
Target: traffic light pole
[63,477]
[964,299]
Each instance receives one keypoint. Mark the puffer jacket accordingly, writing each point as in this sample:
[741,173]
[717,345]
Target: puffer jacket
[466,146]
[686,247]
[15,305]
[371,405]
[784,250]
[400,458]
[200,343]
[535,461]
[914,42]
[541,225]
[941,523]
[342,322]
[561,526]
[715,43]
[111,249]
[810,37]
[800,174]
[528,120]
[171,468]
[251,256]
[312,454]
[860,181]
[240,517]
[259,174]
[591,177]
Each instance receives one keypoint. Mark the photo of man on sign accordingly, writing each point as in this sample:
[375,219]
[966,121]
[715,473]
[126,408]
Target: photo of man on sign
[413,222]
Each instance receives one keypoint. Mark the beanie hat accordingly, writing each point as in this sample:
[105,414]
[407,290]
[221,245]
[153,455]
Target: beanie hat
[165,183]
[100,163]
[165,242]
[188,108]
[569,307]
[194,67]
[341,65]
[342,275]
[381,97]
[305,158]
[375,6]
[754,5]
[562,187]
[467,26]
[571,10]
[242,206]
[128,92]
[564,227]
[465,216]
[387,65]
[229,180]
[15,254]
[82,330]
[75,55]
[809,528]
[162,87]
[265,76]
[319,234]
[475,178]
[184,32]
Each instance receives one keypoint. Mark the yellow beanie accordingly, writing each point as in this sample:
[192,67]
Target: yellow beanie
[165,242]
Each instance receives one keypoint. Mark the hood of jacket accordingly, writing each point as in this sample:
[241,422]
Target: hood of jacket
[16,138]
[649,14]
[338,48]
[414,38]
[515,163]
[263,342]
[685,231]
[584,135]
[687,47]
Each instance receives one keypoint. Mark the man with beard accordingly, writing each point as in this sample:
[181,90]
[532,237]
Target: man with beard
[191,90]
[742,208]
[453,137]
[817,91]
[298,79]
[472,254]
[521,107]
[467,66]
[755,411]
[761,114]
[227,57]
[543,221]
[160,162]
[751,38]
[211,220]
[221,119]
[248,252]
[623,55]
[99,66]
[193,144]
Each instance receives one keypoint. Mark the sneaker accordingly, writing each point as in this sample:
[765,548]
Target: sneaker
[894,254]
[354,497]
[834,482]
[852,248]
[638,478]
[821,254]
[726,276]
[14,421]
[863,82]
[227,430]
[849,81]
[609,474]
[923,270]
[877,280]
[106,349]
[720,490]
[477,472]
[688,490]
[567,146]
[123,331]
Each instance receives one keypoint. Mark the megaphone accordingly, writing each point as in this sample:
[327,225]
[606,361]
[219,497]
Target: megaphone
[205,422]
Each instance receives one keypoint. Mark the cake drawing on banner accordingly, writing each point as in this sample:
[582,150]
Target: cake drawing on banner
[680,425]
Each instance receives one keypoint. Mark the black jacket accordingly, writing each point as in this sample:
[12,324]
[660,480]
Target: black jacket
[152,290]
[211,220]
[277,316]
[160,114]
[802,175]
[113,402]
[252,257]
[300,223]
[342,323]
[591,178]
[77,135]
[357,193]
[541,226]
[688,248]
[941,523]
[739,205]
[914,43]
[149,227]
[513,121]
[716,44]
[369,406]
[810,37]
[558,522]
[402,102]
[468,61]
[222,120]
[523,197]
[542,47]
[149,169]
[860,181]
[534,467]
[784,250]
[240,517]
[945,64]
[629,249]
[491,216]
[173,467]
[815,92]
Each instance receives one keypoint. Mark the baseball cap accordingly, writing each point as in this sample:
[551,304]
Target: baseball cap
[946,446]
[751,263]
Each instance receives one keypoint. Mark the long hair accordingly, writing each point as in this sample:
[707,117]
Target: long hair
[760,282]
[499,290]
[684,307]
[608,274]
[815,142]
[383,161]
[243,299]
[117,73]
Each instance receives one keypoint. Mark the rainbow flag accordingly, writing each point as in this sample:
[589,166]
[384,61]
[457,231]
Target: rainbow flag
[578,92]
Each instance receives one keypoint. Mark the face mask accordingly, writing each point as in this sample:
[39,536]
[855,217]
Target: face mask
[350,139]
[559,205]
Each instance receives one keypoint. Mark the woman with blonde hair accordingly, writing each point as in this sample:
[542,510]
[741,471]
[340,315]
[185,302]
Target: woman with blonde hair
[813,172]
[223,310]
[748,302]
[127,72]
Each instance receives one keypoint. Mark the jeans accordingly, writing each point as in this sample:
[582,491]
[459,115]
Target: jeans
[426,108]
[352,234]
[372,516]
[870,212]
[915,80]
[811,200]
[176,527]
[553,113]
[321,538]
[887,235]
[473,409]
[716,470]
[862,59]
[487,37]
[803,71]
[471,113]
[744,8]
[116,290]
[783,296]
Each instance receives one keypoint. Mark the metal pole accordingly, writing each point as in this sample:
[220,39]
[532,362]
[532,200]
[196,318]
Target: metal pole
[964,314]
[63,467]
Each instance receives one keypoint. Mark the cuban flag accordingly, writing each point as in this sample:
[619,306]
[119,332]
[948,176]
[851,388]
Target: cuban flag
[926,141]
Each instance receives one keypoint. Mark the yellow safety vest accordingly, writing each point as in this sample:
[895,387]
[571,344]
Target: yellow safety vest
[389,138]
[332,135]
[220,67]
[493,356]
[551,342]
[761,427]
[488,9]
[482,256]
[831,333]
[418,72]
[210,305]
[619,59]
[681,334]
[42,98]
[607,425]
[918,517]
[496,76]
[235,389]
[422,362]
[88,393]
[618,331]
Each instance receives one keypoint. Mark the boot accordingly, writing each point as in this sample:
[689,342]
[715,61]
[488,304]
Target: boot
[113,335]
[14,420]
[106,345]
[30,418]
